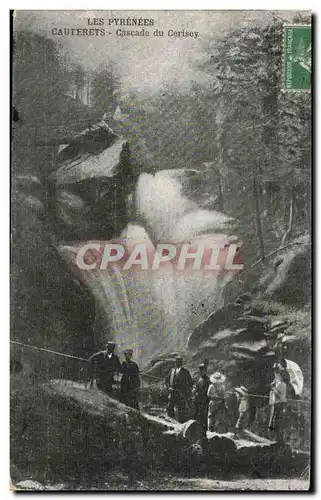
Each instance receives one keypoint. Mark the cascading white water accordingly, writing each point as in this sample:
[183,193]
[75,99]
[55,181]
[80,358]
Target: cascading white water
[154,312]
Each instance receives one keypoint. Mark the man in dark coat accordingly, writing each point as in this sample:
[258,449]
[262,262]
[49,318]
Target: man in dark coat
[179,383]
[104,365]
[200,397]
[130,382]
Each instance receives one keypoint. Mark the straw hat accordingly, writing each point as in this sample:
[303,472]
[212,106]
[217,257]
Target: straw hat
[217,378]
[243,391]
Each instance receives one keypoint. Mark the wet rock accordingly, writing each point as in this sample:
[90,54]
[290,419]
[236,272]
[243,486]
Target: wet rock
[69,208]
[239,340]
[92,185]
[219,320]
[158,368]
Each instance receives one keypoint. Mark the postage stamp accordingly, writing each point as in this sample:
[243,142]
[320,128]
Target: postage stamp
[297,57]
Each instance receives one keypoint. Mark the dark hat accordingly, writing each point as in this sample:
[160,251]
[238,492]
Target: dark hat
[128,351]
[179,358]
[111,344]
[245,297]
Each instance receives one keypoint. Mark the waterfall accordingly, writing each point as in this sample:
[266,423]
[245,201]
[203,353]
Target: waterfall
[154,312]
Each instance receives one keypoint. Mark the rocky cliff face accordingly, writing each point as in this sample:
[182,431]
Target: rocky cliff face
[97,194]
[239,337]
[91,186]
[51,307]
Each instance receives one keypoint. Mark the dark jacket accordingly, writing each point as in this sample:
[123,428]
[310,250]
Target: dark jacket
[104,367]
[180,382]
[201,387]
[130,379]
[232,405]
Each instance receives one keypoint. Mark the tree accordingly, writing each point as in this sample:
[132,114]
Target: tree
[263,135]
[48,113]
[36,58]
[104,88]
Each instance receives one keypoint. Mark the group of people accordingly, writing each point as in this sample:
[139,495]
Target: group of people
[103,367]
[211,400]
[209,396]
[218,406]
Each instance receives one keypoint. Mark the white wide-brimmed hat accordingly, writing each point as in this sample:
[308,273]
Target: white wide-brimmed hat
[217,378]
[242,390]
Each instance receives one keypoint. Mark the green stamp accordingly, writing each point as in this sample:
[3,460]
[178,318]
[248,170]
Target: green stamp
[297,57]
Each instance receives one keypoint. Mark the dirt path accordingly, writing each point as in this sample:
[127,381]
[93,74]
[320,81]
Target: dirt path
[244,484]
[201,484]
[122,482]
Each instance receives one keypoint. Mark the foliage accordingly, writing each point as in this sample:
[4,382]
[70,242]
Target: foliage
[48,113]
[35,59]
[103,91]
[262,133]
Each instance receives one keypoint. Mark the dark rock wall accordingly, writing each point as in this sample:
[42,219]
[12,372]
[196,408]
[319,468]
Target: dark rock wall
[49,307]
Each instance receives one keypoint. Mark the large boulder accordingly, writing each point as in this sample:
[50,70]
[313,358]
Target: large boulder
[92,184]
[223,318]
[85,197]
[239,339]
[61,430]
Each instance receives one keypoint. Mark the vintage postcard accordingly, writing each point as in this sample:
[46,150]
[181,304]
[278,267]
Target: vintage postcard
[161,250]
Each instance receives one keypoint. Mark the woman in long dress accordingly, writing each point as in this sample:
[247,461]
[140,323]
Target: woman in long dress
[278,399]
[130,381]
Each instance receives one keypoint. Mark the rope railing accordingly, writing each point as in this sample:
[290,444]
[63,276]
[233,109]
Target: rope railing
[305,401]
[47,350]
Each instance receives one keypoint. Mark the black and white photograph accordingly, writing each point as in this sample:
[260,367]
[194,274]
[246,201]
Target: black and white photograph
[160,271]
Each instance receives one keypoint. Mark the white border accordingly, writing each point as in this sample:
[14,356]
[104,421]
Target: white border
[165,5]
[313,5]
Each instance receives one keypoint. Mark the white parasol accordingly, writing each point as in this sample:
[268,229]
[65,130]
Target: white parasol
[296,376]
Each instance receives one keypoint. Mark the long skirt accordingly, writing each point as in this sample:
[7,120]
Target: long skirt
[217,416]
[276,417]
[130,398]
[201,412]
[276,421]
